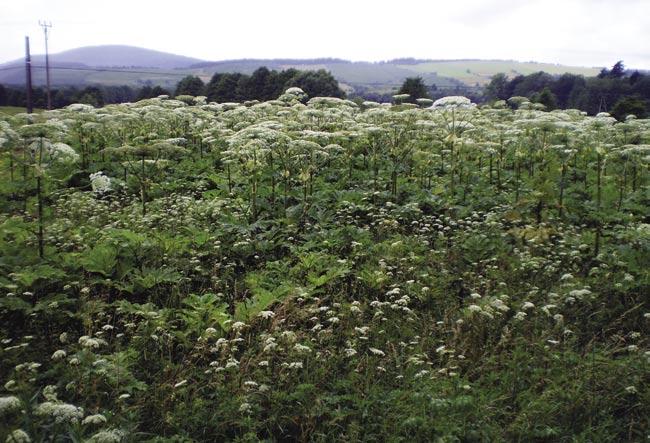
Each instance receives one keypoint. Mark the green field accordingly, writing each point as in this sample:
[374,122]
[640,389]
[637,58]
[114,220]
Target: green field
[480,71]
[13,110]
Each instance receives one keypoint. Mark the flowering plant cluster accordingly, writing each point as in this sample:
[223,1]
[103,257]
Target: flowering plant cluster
[320,269]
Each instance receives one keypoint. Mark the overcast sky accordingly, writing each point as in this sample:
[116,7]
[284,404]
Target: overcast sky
[571,32]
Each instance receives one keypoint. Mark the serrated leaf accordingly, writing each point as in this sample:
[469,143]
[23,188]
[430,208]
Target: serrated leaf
[101,259]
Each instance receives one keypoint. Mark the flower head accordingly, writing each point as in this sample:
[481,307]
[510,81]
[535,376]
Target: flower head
[9,404]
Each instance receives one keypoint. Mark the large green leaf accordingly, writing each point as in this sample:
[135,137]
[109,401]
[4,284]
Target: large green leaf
[151,277]
[29,275]
[101,259]
[203,311]
[13,303]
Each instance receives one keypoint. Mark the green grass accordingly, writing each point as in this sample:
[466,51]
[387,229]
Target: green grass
[480,71]
[13,110]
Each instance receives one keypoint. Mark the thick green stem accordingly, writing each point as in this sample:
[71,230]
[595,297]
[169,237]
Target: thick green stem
[11,164]
[490,168]
[562,184]
[517,175]
[39,194]
[272,181]
[286,193]
[598,181]
[143,194]
[622,186]
[452,170]
[254,199]
[229,179]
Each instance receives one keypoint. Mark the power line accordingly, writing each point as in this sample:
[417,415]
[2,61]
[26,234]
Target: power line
[12,67]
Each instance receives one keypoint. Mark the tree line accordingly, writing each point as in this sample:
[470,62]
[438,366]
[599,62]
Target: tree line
[416,88]
[618,91]
[263,84]
[66,95]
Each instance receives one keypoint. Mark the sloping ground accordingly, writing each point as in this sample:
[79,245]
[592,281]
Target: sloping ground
[140,66]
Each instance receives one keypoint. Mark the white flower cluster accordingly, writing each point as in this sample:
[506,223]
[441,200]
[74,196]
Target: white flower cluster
[370,104]
[295,91]
[452,101]
[400,97]
[376,351]
[100,183]
[60,412]
[61,152]
[59,355]
[91,343]
[107,436]
[266,314]
[292,95]
[18,436]
[96,419]
[80,107]
[9,404]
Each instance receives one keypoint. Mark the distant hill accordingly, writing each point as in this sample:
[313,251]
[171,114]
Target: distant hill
[127,58]
[139,66]
[116,56]
[121,55]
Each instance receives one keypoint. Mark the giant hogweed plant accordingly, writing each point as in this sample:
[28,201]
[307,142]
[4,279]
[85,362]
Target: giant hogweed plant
[147,154]
[42,152]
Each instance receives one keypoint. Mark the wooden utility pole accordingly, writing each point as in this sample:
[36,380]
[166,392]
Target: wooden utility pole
[45,25]
[28,74]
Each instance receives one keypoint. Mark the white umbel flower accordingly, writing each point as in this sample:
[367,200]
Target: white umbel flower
[376,351]
[9,404]
[18,436]
[60,412]
[95,419]
[180,384]
[453,101]
[100,183]
[59,355]
[266,314]
[108,436]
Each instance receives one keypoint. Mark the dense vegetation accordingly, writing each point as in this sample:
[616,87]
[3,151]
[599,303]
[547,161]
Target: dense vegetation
[615,90]
[415,89]
[264,84]
[319,270]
